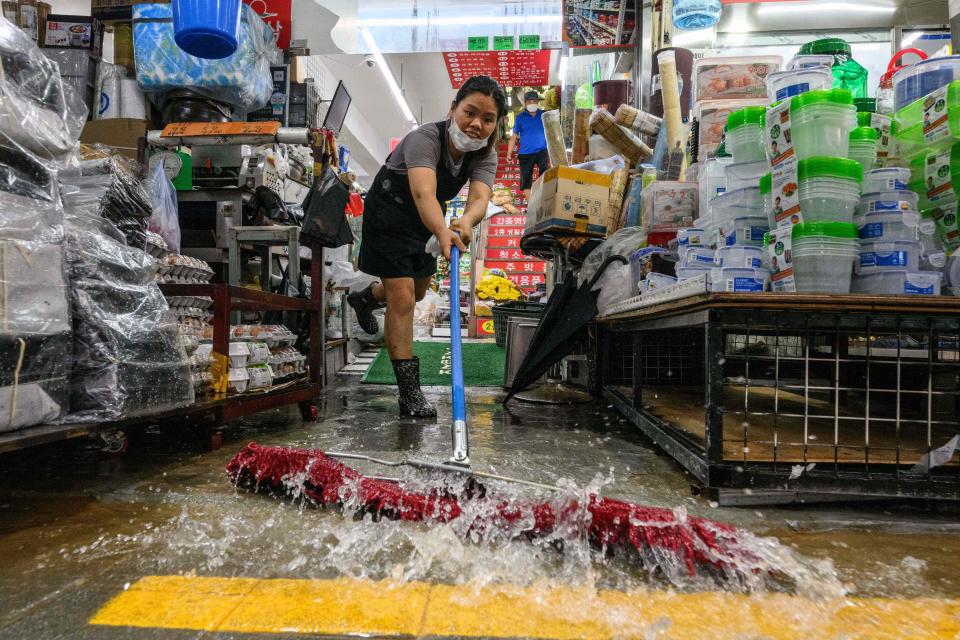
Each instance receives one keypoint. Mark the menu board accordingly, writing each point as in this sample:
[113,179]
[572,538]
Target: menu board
[509,68]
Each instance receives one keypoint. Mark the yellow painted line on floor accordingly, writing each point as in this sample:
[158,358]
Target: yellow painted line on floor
[398,609]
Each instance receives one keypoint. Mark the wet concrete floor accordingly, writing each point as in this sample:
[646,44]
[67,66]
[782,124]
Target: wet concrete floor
[79,526]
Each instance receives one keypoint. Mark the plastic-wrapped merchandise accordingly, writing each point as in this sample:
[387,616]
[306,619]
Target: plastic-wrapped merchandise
[165,219]
[128,358]
[630,146]
[242,80]
[104,188]
[40,116]
[555,145]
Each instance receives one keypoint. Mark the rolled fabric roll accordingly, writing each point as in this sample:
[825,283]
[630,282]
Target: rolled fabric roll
[556,148]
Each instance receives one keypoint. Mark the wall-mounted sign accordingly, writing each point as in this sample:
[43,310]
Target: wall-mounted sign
[509,68]
[277,14]
[503,43]
[478,43]
[530,42]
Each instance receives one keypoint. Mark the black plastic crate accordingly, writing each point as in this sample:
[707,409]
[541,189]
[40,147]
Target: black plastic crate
[503,312]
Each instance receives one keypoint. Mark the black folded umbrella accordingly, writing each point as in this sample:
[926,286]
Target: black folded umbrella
[565,318]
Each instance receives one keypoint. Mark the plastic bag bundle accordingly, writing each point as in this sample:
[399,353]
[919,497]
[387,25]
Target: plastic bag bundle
[556,148]
[40,116]
[581,135]
[242,80]
[628,145]
[639,121]
[128,359]
[622,243]
[105,188]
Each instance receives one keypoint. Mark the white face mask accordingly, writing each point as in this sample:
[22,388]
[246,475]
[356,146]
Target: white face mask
[533,108]
[462,141]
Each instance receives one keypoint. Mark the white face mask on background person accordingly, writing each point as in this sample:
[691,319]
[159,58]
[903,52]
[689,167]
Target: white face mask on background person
[462,141]
[533,108]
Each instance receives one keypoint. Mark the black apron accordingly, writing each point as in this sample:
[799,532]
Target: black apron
[394,237]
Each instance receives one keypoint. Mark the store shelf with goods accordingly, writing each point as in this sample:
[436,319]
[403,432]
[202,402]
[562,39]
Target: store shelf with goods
[853,390]
[603,6]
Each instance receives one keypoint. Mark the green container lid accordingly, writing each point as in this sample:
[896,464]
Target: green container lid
[833,46]
[821,96]
[826,167]
[864,133]
[865,105]
[742,117]
[864,119]
[766,184]
[766,239]
[840,230]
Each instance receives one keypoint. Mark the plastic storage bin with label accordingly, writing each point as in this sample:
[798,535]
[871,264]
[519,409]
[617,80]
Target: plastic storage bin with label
[810,62]
[787,84]
[888,226]
[823,257]
[821,122]
[935,176]
[726,78]
[739,280]
[655,281]
[829,189]
[921,79]
[743,205]
[889,201]
[898,283]
[712,118]
[748,257]
[890,256]
[886,179]
[668,205]
[934,254]
[931,123]
[698,257]
[745,174]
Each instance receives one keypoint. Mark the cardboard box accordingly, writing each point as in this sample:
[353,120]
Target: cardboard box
[72,32]
[122,134]
[571,201]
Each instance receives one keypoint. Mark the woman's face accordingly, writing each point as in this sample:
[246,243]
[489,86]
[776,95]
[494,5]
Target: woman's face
[476,115]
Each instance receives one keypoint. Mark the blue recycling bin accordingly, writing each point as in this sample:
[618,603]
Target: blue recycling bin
[207,28]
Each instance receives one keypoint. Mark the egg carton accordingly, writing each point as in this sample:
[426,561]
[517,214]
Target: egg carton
[156,246]
[197,302]
[184,269]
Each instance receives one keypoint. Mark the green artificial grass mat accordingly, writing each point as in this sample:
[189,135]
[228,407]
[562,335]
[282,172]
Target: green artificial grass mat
[482,365]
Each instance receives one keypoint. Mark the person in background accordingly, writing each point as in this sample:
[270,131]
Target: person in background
[406,205]
[528,127]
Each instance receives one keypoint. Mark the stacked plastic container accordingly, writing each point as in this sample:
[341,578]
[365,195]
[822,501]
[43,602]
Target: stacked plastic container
[918,228]
[813,188]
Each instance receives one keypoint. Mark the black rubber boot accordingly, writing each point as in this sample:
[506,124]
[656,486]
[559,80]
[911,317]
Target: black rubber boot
[365,304]
[412,401]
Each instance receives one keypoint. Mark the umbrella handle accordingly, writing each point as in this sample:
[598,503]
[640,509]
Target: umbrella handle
[461,443]
[603,267]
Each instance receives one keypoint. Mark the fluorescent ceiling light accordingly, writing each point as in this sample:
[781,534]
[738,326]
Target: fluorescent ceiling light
[685,38]
[910,39]
[823,7]
[388,75]
[464,21]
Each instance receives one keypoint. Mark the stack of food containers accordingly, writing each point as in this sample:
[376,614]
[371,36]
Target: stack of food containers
[813,187]
[927,130]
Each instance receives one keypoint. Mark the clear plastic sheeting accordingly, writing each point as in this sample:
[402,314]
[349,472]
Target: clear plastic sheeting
[104,188]
[128,359]
[242,79]
[623,243]
[40,115]
[35,340]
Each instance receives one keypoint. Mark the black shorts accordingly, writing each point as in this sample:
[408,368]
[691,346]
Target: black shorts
[392,247]
[527,160]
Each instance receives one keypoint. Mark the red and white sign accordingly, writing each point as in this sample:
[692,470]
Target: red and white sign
[503,243]
[527,266]
[504,254]
[504,220]
[509,68]
[277,14]
[524,280]
[505,232]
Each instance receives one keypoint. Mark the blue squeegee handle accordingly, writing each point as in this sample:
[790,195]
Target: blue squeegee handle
[461,445]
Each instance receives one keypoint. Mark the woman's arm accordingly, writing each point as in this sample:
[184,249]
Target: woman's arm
[477,200]
[423,188]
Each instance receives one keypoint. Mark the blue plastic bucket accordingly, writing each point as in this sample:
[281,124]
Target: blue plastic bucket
[207,28]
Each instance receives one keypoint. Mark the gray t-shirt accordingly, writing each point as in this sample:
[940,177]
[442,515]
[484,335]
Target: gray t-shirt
[421,148]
